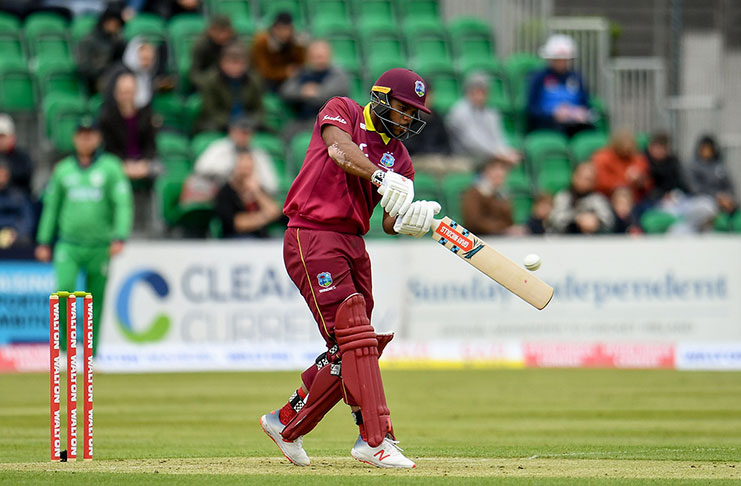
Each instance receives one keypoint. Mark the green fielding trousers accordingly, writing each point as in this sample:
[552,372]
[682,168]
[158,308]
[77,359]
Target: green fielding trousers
[69,259]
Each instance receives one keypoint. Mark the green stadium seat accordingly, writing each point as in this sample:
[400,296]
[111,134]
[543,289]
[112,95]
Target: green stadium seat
[277,114]
[11,46]
[426,40]
[585,143]
[81,26]
[382,10]
[345,52]
[150,26]
[183,30]
[167,188]
[58,76]
[384,45]
[420,9]
[17,93]
[61,113]
[234,9]
[553,175]
[599,108]
[273,146]
[471,37]
[522,206]
[201,142]
[46,36]
[321,10]
[642,139]
[426,187]
[171,110]
[359,89]
[298,146]
[176,165]
[378,64]
[453,187]
[518,180]
[272,8]
[654,221]
[192,108]
[172,145]
[540,142]
[332,28]
[245,29]
[520,68]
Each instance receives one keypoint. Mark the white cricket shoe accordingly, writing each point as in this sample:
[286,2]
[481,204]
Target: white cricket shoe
[387,454]
[294,451]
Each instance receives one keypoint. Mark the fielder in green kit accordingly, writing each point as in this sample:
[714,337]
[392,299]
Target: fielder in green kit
[88,205]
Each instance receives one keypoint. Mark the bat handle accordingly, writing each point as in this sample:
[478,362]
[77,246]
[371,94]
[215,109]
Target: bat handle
[435,223]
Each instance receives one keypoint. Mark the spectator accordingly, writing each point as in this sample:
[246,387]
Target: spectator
[101,48]
[88,200]
[143,60]
[128,131]
[207,49]
[230,91]
[475,129]
[485,206]
[278,53]
[218,160]
[709,175]
[242,205]
[623,211]
[19,163]
[16,212]
[621,164]
[580,209]
[670,193]
[315,83]
[557,97]
[542,208]
[163,8]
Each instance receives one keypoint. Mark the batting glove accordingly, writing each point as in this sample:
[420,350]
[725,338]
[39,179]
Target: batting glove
[397,192]
[416,222]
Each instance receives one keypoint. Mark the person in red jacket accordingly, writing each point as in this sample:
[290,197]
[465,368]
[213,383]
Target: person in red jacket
[620,164]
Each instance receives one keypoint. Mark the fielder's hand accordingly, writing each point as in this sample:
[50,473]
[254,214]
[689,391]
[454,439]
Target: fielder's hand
[416,222]
[397,192]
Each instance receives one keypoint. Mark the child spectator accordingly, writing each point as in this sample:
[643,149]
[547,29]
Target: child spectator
[709,176]
[580,209]
[623,211]
[621,164]
[485,205]
[475,128]
[542,208]
[278,53]
[18,161]
[206,51]
[242,205]
[558,98]
[143,60]
[230,91]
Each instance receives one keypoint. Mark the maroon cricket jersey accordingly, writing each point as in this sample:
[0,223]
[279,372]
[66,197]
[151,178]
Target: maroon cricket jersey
[325,197]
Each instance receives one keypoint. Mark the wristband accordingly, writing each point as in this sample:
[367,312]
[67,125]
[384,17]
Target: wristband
[377,177]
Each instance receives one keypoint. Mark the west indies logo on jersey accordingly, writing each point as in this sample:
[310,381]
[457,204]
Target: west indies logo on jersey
[388,160]
[419,88]
[325,279]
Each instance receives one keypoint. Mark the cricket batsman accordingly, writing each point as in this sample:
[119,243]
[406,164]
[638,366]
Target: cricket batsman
[354,161]
[88,205]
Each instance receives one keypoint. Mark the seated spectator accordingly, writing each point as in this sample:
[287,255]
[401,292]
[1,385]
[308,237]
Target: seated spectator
[623,212]
[16,213]
[163,8]
[128,132]
[557,96]
[218,160]
[542,208]
[485,205]
[101,48]
[230,91]
[143,60]
[475,129]
[709,176]
[19,163]
[207,49]
[621,164]
[278,53]
[670,193]
[580,209]
[315,83]
[242,205]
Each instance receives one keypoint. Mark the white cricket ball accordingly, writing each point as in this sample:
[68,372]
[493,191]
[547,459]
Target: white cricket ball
[532,262]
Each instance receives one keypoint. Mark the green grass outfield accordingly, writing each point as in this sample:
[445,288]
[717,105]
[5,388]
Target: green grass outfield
[514,427]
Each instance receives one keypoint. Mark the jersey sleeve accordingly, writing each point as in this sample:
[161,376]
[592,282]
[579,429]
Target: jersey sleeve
[335,112]
[52,202]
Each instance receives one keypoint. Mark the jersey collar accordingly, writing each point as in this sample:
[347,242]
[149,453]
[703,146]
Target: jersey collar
[369,124]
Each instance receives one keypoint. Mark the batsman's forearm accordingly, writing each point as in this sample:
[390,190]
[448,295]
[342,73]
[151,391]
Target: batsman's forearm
[353,161]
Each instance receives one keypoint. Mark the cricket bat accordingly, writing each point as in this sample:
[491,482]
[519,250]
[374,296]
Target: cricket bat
[491,263]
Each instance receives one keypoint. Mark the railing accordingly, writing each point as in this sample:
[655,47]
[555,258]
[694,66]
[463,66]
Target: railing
[636,93]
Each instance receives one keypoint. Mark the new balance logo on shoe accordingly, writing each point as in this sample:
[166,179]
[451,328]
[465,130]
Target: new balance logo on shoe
[380,455]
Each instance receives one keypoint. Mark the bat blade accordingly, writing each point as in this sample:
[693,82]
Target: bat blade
[491,263]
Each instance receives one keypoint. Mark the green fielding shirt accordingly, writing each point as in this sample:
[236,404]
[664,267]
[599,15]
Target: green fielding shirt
[88,205]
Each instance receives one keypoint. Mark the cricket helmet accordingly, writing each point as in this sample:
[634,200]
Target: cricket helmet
[406,86]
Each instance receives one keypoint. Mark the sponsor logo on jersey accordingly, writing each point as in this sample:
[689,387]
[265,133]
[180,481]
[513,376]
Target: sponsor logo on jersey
[337,118]
[388,160]
[96,179]
[419,88]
